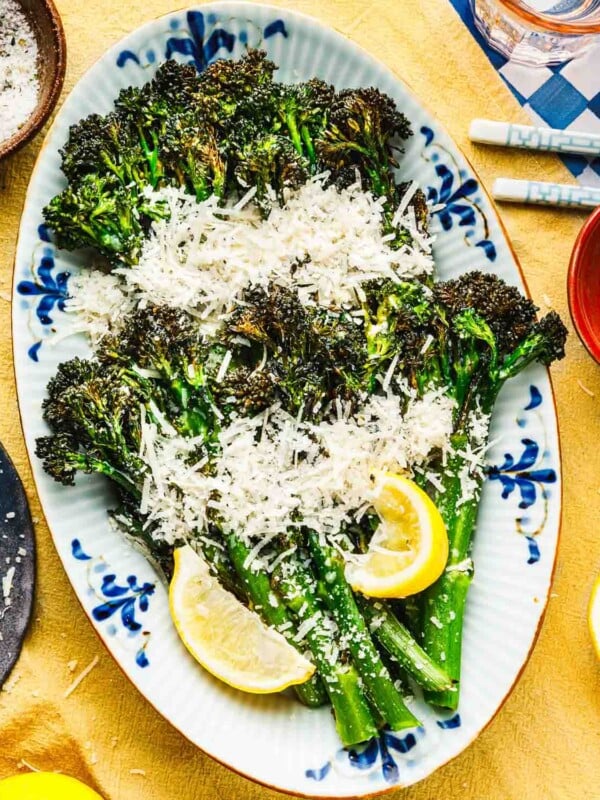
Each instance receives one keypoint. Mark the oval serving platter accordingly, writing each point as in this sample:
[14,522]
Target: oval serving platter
[273,739]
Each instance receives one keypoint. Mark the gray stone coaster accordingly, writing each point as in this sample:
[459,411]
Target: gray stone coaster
[17,565]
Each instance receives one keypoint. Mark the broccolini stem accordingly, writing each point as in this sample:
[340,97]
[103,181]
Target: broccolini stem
[398,641]
[220,564]
[91,464]
[340,599]
[308,143]
[292,126]
[195,420]
[443,604]
[395,638]
[151,154]
[353,718]
[257,587]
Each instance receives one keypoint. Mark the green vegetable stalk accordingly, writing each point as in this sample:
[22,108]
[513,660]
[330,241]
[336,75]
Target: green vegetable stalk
[353,718]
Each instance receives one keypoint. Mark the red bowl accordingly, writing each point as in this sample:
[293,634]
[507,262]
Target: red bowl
[583,285]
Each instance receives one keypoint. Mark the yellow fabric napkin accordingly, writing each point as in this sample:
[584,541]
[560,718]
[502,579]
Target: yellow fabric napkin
[545,743]
[40,734]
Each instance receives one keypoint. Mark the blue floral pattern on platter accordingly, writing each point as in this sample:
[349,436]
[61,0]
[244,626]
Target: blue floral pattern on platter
[118,602]
[529,474]
[385,754]
[456,196]
[50,289]
[201,40]
[450,723]
[375,751]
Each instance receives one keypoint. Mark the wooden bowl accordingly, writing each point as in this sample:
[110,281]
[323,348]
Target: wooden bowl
[52,48]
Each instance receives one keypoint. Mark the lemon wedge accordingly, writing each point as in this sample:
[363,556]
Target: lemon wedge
[409,549]
[594,616]
[225,637]
[45,786]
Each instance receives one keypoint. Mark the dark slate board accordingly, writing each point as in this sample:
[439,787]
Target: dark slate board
[17,549]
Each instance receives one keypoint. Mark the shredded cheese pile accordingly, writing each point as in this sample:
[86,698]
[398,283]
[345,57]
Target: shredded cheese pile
[273,469]
[97,303]
[324,242]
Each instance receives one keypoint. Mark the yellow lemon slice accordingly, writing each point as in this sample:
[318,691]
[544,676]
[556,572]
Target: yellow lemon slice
[594,616]
[228,639]
[45,786]
[409,549]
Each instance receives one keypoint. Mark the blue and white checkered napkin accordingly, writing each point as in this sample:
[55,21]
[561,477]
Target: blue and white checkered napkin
[566,96]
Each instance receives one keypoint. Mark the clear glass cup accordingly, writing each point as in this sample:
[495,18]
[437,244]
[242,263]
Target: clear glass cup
[540,32]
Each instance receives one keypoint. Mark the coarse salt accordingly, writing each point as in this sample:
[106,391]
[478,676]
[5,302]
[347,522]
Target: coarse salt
[19,85]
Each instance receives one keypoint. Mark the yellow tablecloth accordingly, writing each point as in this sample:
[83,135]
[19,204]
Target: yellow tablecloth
[545,742]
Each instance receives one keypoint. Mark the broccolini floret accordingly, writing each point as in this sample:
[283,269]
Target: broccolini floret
[95,418]
[313,356]
[223,132]
[166,342]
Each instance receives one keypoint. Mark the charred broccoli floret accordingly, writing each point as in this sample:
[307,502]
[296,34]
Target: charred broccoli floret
[468,335]
[96,145]
[230,90]
[165,342]
[244,390]
[111,218]
[190,151]
[508,313]
[271,165]
[228,130]
[301,111]
[97,213]
[95,419]
[363,127]
[312,355]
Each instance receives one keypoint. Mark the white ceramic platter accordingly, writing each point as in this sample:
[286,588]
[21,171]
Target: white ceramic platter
[275,740]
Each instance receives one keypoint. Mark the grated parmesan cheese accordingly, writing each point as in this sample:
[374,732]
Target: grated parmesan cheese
[305,627]
[7,582]
[274,467]
[323,241]
[82,675]
[478,425]
[224,366]
[97,303]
